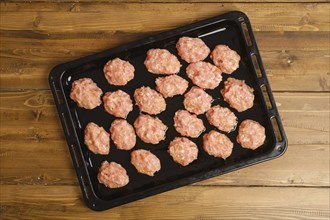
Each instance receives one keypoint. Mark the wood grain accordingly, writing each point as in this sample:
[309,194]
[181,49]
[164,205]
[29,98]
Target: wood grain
[37,110]
[27,65]
[43,134]
[199,202]
[26,60]
[37,179]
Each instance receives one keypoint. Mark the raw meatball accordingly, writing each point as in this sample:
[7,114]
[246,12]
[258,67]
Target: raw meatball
[161,61]
[222,118]
[183,150]
[112,175]
[97,139]
[123,134]
[217,144]
[86,93]
[145,162]
[118,103]
[149,100]
[118,72]
[170,86]
[150,129]
[197,100]
[225,58]
[204,75]
[238,94]
[188,124]
[251,134]
[192,49]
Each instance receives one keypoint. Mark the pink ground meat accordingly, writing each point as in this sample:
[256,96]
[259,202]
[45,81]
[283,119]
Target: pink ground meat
[97,139]
[118,103]
[225,58]
[170,86]
[150,129]
[122,134]
[149,100]
[183,151]
[197,101]
[86,93]
[145,162]
[204,75]
[188,124]
[222,118]
[112,175]
[217,144]
[251,134]
[161,61]
[238,94]
[192,49]
[118,72]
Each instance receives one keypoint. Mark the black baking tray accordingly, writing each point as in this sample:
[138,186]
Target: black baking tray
[233,29]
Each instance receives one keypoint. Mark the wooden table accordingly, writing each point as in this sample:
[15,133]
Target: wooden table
[37,175]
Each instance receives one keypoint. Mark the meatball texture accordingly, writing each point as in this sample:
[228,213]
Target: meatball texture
[197,101]
[251,134]
[149,100]
[150,129]
[238,94]
[170,86]
[222,118]
[97,139]
[145,162]
[188,124]
[112,175]
[161,61]
[204,75]
[191,49]
[118,103]
[217,144]
[183,150]
[86,93]
[118,72]
[122,134]
[225,58]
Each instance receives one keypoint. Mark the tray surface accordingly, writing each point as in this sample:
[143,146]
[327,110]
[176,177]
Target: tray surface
[224,29]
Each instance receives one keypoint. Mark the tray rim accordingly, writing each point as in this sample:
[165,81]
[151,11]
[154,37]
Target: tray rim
[90,197]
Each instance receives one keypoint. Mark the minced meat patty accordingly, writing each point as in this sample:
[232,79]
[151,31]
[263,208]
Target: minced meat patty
[161,61]
[222,118]
[192,49]
[149,100]
[118,72]
[145,162]
[197,101]
[97,139]
[150,129]
[225,58]
[86,93]
[251,134]
[183,150]
[112,175]
[238,94]
[122,134]
[172,85]
[118,103]
[217,144]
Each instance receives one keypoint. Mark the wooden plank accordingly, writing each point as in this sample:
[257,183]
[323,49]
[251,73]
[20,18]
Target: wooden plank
[36,110]
[169,1]
[26,61]
[292,169]
[192,202]
[266,17]
[41,132]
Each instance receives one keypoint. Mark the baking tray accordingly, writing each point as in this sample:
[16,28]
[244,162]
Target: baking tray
[232,29]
